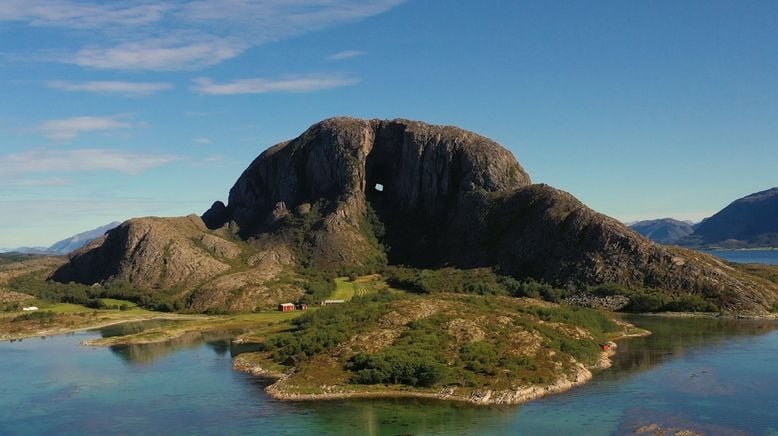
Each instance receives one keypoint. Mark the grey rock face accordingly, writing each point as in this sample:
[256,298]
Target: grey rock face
[422,169]
[433,195]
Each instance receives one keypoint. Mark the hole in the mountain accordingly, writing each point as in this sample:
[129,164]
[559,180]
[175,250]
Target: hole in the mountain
[379,187]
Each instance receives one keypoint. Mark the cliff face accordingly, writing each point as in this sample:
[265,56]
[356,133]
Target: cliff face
[442,195]
[415,175]
[751,221]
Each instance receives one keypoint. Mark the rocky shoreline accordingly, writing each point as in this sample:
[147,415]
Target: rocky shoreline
[481,397]
[770,316]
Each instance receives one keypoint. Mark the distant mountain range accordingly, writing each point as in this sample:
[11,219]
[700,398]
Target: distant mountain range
[663,230]
[748,222]
[66,245]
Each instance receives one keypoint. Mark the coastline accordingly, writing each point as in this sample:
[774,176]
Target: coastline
[741,249]
[59,330]
[480,397]
[769,316]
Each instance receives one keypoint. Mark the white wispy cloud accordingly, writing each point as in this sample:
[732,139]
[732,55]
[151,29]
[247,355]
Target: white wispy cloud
[161,54]
[260,85]
[68,128]
[43,161]
[346,54]
[14,182]
[81,15]
[201,140]
[175,35]
[127,89]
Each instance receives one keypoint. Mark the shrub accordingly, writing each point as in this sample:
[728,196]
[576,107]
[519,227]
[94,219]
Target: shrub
[658,302]
[325,328]
[480,357]
[43,316]
[413,369]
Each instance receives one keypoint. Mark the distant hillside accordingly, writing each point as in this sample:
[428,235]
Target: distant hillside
[663,230]
[26,250]
[72,243]
[66,245]
[749,222]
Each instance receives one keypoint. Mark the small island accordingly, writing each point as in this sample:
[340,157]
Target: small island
[476,349]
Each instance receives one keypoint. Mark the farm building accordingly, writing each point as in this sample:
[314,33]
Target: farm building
[328,302]
[285,307]
[301,306]
[29,309]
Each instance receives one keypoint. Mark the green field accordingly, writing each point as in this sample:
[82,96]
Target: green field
[78,308]
[346,289]
[66,308]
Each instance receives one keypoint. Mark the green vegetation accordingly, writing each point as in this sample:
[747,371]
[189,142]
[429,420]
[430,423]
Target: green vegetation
[480,357]
[318,285]
[654,300]
[112,295]
[594,321]
[347,288]
[41,317]
[9,258]
[325,328]
[389,340]
[413,359]
[373,230]
[767,272]
[480,281]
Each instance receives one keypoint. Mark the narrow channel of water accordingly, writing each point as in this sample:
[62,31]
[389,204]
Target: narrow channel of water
[769,257]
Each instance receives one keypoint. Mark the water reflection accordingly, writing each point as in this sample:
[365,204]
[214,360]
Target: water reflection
[131,328]
[675,337]
[707,375]
[403,416]
[219,341]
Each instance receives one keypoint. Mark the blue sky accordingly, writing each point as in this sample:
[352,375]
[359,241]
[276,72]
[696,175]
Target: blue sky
[640,109]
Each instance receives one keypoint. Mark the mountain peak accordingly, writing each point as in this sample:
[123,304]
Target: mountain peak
[353,193]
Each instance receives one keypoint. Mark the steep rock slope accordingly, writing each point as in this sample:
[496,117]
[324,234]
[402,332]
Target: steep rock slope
[423,173]
[354,192]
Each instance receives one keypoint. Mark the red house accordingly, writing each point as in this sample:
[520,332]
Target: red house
[285,307]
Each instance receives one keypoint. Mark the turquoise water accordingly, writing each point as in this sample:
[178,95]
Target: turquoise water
[769,257]
[719,377]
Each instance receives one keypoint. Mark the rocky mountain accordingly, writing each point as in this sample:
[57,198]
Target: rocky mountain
[751,221]
[75,242]
[663,230]
[352,193]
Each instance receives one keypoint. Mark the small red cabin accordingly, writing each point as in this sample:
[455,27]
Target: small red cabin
[285,307]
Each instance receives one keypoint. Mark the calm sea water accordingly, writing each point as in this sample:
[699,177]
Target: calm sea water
[715,376]
[748,256]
